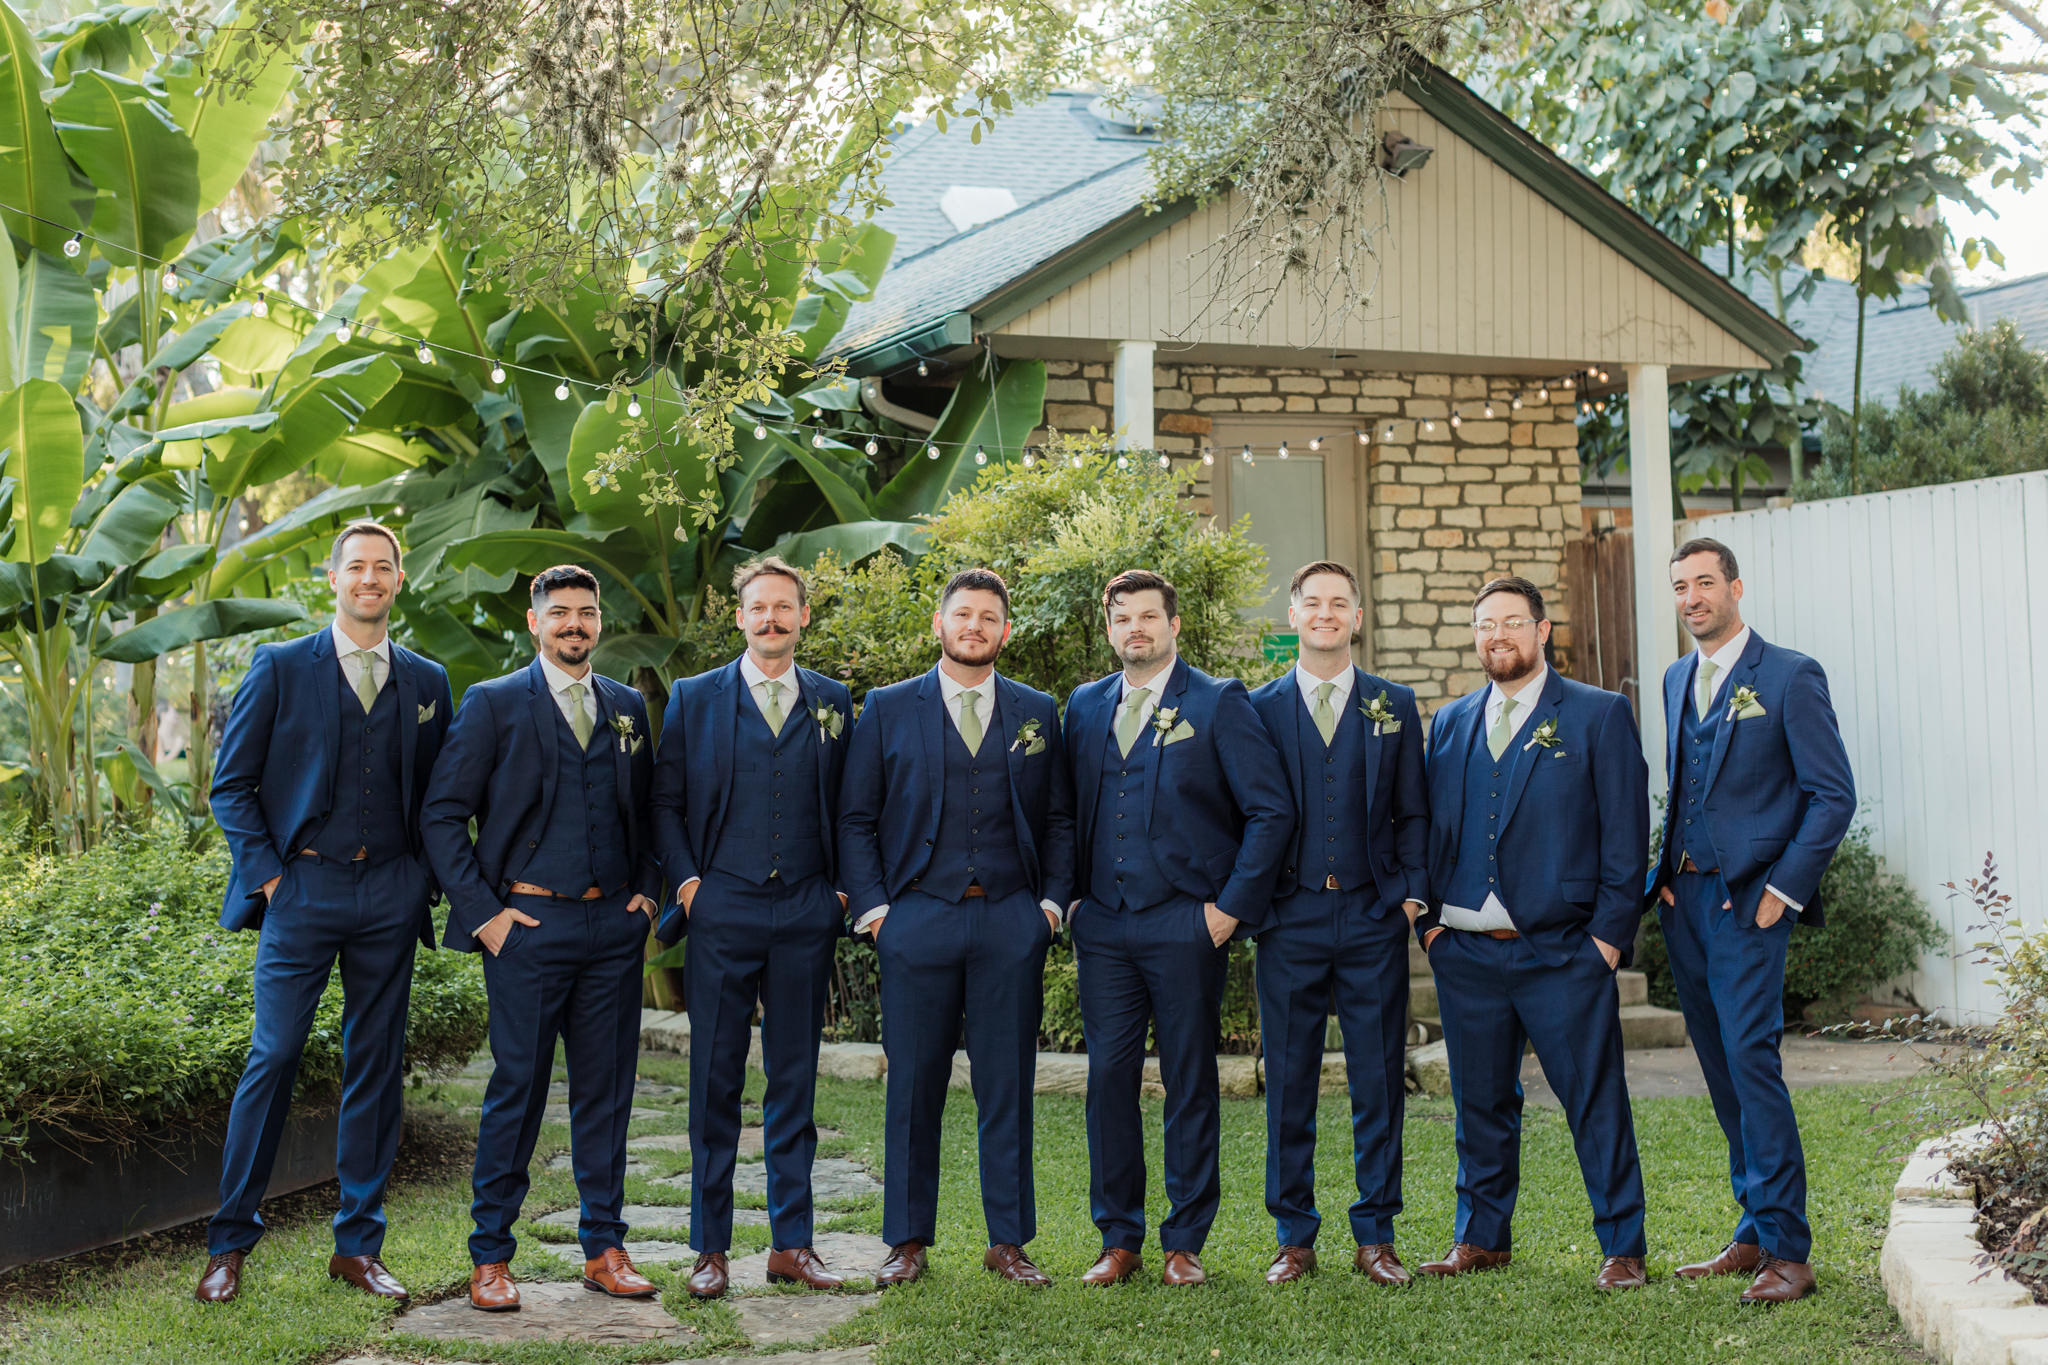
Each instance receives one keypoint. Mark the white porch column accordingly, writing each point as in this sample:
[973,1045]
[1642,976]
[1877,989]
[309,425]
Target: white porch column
[1132,410]
[1649,495]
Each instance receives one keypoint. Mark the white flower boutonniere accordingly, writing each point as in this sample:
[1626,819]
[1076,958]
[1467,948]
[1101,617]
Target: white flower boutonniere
[1546,735]
[629,743]
[1381,715]
[1169,728]
[1028,739]
[831,723]
[427,712]
[1744,704]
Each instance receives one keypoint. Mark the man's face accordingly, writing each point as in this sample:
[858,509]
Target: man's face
[972,627]
[771,616]
[1510,640]
[1140,631]
[365,579]
[1706,597]
[567,624]
[1327,612]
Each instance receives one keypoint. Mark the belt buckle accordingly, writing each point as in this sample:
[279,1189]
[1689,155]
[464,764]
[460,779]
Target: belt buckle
[1330,883]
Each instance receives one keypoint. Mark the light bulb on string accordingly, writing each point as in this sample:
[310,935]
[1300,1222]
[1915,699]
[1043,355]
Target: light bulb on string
[562,390]
[1456,421]
[1208,455]
[873,447]
[74,245]
[1029,458]
[1165,462]
[923,369]
[817,440]
[1315,443]
[1489,409]
[343,333]
[1283,452]
[1390,434]
[261,308]
[425,353]
[1123,462]
[1517,404]
[1077,462]
[931,452]
[170,280]
[497,374]
[1246,453]
[1543,395]
[980,455]
[633,406]
[1600,406]
[1429,425]
[760,432]
[1365,437]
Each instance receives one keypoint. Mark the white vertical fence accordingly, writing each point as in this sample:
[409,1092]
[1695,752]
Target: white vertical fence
[1929,610]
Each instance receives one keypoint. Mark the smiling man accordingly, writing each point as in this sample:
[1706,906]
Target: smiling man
[557,889]
[323,764]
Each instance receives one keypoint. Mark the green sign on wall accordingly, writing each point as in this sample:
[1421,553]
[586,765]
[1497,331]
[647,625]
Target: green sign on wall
[1281,646]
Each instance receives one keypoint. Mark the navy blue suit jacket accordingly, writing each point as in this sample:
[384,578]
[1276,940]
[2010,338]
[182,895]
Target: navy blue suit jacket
[693,774]
[1780,795]
[1575,830]
[273,782]
[499,767]
[1396,829]
[1226,826]
[890,803]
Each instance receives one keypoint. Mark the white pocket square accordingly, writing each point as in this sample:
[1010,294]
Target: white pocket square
[1177,734]
[427,712]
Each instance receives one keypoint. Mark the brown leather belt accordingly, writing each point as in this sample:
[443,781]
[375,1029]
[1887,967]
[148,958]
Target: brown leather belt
[1330,883]
[1686,864]
[361,854]
[1490,933]
[529,889]
[974,891]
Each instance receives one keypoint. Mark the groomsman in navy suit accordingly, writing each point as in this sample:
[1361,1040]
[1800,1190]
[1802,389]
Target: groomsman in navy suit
[1539,815]
[557,889]
[328,866]
[1338,932]
[745,788]
[956,830]
[1761,794]
[1183,820]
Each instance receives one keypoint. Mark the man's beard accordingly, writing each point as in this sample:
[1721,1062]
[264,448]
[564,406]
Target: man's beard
[963,653]
[1138,655]
[1509,668]
[1716,624]
[563,650]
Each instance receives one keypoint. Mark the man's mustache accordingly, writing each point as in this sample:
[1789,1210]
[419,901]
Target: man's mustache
[771,630]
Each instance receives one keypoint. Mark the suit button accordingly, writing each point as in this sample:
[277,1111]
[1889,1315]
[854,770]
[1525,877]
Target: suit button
[1330,839]
[1119,860]
[1119,836]
[975,790]
[533,843]
[1125,772]
[1332,758]
[775,836]
[927,843]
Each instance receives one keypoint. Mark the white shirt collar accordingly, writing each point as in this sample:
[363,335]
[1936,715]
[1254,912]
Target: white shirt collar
[1526,699]
[751,671]
[1309,682]
[951,687]
[1728,655]
[343,646]
[561,682]
[1155,683]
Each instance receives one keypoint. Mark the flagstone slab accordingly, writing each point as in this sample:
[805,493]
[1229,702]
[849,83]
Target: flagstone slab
[788,1319]
[834,1180]
[654,1217]
[751,1148]
[855,1255]
[643,1253]
[851,1355]
[566,1161]
[549,1312]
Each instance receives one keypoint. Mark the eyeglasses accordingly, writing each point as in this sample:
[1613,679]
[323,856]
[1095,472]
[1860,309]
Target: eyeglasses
[1514,625]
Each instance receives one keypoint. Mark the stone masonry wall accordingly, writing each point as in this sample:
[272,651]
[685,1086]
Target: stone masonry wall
[1445,510]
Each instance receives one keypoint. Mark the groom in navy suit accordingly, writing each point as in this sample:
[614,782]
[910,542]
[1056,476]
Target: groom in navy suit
[745,787]
[956,831]
[553,763]
[1183,820]
[1338,934]
[1761,794]
[1539,832]
[328,867]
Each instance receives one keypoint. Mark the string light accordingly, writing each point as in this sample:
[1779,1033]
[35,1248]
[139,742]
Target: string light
[497,373]
[1517,404]
[931,452]
[344,332]
[1208,455]
[1029,458]
[1390,434]
[170,280]
[818,441]
[1284,452]
[1246,455]
[633,408]
[1429,425]
[1543,394]
[1315,443]
[980,455]
[760,432]
[1489,409]
[1123,462]
[872,446]
[75,245]
[1164,462]
[923,369]
[261,308]
[1077,462]
[562,390]
[1365,437]
[425,353]
[1455,420]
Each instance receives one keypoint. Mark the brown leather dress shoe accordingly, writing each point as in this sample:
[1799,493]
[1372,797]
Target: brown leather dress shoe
[904,1266]
[801,1266]
[1183,1268]
[1779,1281]
[491,1289]
[1113,1266]
[707,1277]
[1737,1258]
[222,1278]
[1012,1264]
[1291,1264]
[368,1274]
[1464,1257]
[1378,1263]
[615,1274]
[1621,1272]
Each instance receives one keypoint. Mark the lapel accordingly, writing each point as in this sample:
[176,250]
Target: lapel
[622,759]
[1522,755]
[1176,684]
[808,696]
[931,734]
[1009,709]
[1293,709]
[1375,745]
[408,690]
[1463,737]
[1090,737]
[326,689]
[1740,676]
[543,715]
[725,719]
[1677,697]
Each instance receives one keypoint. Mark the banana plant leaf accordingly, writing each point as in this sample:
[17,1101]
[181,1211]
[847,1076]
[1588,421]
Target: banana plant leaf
[45,459]
[854,541]
[143,165]
[52,323]
[993,413]
[207,621]
[41,200]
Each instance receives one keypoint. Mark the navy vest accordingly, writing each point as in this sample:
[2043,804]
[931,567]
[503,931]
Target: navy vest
[977,840]
[368,808]
[1689,794]
[1121,871]
[1486,794]
[772,826]
[583,844]
[1332,840]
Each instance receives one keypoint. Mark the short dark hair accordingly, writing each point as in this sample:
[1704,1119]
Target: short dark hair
[1140,580]
[977,580]
[1706,545]
[1510,583]
[562,576]
[1308,571]
[365,528]
[768,566]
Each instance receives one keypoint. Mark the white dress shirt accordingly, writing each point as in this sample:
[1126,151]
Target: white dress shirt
[559,684]
[1724,660]
[757,684]
[345,651]
[1494,914]
[1309,682]
[1153,685]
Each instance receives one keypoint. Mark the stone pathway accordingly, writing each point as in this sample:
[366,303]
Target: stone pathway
[856,1255]
[787,1319]
[549,1312]
[750,1148]
[857,1355]
[833,1180]
[654,1217]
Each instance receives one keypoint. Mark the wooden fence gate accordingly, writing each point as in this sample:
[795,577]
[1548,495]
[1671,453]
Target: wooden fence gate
[1600,580]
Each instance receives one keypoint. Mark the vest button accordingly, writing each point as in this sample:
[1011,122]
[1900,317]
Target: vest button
[533,843]
[927,843]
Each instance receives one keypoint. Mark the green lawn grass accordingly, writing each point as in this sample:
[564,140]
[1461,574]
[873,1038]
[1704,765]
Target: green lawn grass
[136,1307]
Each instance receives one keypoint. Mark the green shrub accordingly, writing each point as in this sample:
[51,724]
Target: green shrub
[124,1006]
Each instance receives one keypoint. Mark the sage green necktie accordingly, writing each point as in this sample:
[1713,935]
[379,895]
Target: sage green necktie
[1132,720]
[1497,738]
[366,677]
[1325,715]
[771,710]
[1708,668]
[579,720]
[970,723]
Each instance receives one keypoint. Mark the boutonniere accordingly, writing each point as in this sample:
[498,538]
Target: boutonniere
[1381,715]
[831,724]
[1744,705]
[1028,739]
[1169,728]
[1546,735]
[427,712]
[629,743]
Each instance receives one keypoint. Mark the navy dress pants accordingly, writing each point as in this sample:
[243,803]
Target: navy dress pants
[1731,987]
[773,945]
[1137,969]
[575,977]
[982,959]
[1495,995]
[1346,951]
[365,916]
